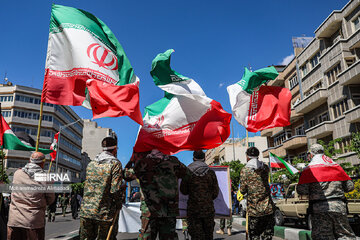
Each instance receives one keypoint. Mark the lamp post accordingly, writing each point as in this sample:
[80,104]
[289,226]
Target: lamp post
[58,145]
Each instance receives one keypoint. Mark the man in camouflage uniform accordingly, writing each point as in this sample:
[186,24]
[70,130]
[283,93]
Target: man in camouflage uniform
[64,202]
[158,175]
[254,181]
[103,194]
[202,188]
[129,175]
[327,205]
[228,226]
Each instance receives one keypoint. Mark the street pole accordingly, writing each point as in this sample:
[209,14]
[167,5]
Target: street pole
[58,143]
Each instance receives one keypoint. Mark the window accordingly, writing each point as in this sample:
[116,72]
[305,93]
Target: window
[356,99]
[324,117]
[304,70]
[356,23]
[6,113]
[339,108]
[251,144]
[300,130]
[6,98]
[293,82]
[315,60]
[302,156]
[312,122]
[343,145]
[332,74]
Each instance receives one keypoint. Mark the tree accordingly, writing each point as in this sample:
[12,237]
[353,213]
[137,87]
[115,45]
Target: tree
[355,143]
[235,168]
[77,187]
[330,150]
[3,176]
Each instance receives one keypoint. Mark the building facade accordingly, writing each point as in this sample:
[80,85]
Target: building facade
[232,150]
[20,107]
[328,78]
[93,134]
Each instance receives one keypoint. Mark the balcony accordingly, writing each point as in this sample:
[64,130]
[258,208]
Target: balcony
[321,130]
[351,75]
[295,142]
[266,132]
[353,115]
[312,101]
[278,150]
[330,25]
[279,81]
[294,116]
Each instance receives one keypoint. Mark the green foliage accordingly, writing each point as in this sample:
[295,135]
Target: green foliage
[355,143]
[330,150]
[235,168]
[355,194]
[77,187]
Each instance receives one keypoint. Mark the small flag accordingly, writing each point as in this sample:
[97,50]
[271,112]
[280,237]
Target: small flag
[278,162]
[185,119]
[323,169]
[8,140]
[260,107]
[54,146]
[80,48]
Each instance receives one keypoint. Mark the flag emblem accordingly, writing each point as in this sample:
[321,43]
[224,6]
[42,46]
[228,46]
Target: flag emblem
[94,51]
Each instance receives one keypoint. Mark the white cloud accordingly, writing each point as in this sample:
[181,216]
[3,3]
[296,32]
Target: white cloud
[286,60]
[221,84]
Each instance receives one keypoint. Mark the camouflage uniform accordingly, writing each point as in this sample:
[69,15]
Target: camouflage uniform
[202,188]
[64,201]
[329,210]
[260,207]
[145,231]
[228,224]
[158,175]
[103,197]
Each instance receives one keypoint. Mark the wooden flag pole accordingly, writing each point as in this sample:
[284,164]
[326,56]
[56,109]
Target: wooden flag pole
[112,225]
[247,206]
[39,126]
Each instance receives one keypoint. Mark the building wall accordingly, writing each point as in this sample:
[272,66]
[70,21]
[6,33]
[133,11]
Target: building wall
[20,107]
[225,152]
[93,134]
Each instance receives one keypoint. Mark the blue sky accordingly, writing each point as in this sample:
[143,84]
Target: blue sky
[213,42]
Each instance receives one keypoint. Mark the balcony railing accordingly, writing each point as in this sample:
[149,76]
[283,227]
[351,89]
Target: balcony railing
[351,75]
[295,142]
[353,115]
[278,150]
[321,130]
[312,101]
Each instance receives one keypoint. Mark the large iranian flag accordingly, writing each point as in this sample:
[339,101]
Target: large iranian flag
[8,140]
[82,48]
[259,107]
[322,169]
[278,162]
[185,119]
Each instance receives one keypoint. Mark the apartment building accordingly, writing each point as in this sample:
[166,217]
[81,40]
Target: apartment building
[93,134]
[290,141]
[326,88]
[234,149]
[20,107]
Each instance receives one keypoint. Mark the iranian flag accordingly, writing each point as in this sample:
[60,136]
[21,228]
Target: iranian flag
[322,169]
[259,107]
[185,118]
[278,162]
[86,65]
[54,146]
[8,140]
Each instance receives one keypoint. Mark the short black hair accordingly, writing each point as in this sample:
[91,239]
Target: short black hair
[109,142]
[199,154]
[252,152]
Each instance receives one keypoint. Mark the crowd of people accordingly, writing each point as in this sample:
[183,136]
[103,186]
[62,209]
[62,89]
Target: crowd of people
[158,176]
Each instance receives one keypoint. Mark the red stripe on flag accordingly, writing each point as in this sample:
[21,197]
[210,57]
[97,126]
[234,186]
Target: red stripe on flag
[212,129]
[269,107]
[277,165]
[109,100]
[321,173]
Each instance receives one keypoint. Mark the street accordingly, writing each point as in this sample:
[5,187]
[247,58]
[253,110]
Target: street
[67,228]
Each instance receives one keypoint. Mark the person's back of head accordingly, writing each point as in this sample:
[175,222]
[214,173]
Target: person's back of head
[316,149]
[252,152]
[108,143]
[199,155]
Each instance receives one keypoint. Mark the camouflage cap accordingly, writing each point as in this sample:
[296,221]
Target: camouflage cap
[316,149]
[37,157]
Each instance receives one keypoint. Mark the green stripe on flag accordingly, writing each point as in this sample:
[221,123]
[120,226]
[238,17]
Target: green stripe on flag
[162,72]
[251,80]
[283,162]
[12,142]
[67,17]
[158,107]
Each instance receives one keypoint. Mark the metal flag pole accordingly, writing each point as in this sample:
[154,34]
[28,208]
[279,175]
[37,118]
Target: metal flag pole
[232,125]
[58,143]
